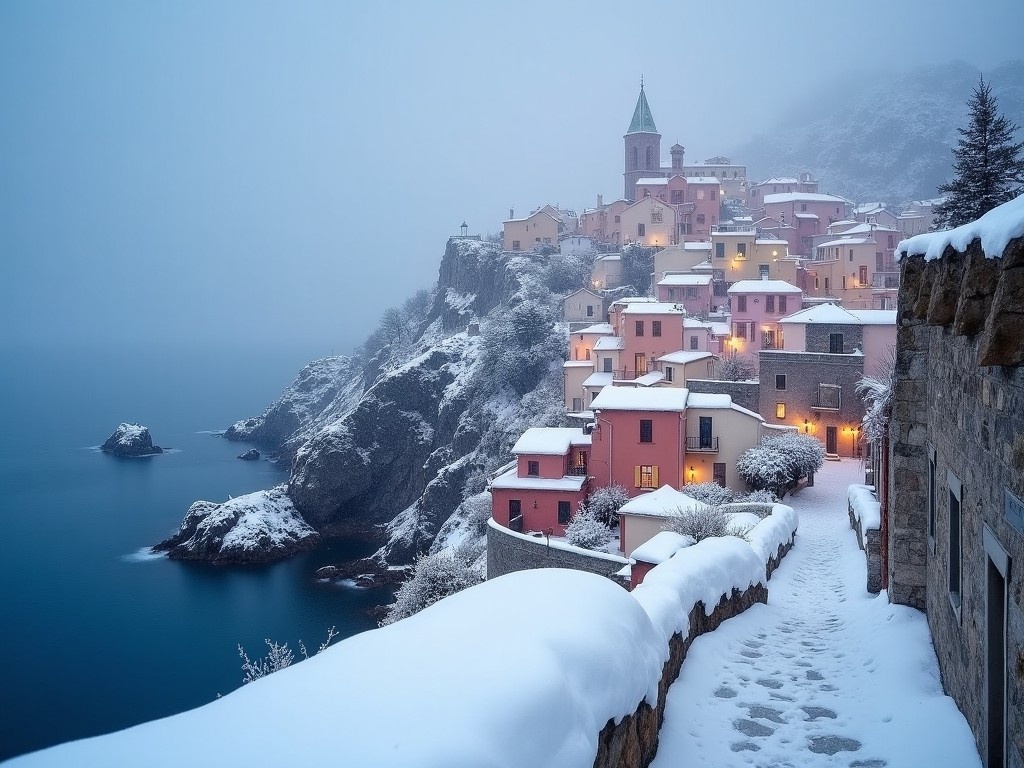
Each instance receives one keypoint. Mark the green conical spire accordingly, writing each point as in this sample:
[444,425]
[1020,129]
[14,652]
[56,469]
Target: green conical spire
[643,120]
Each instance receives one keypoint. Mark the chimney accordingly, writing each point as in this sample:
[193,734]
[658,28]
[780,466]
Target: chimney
[600,201]
[511,213]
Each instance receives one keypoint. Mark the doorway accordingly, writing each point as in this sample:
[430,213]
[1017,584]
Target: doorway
[997,564]
[830,440]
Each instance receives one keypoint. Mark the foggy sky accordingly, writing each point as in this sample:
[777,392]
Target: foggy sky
[251,172]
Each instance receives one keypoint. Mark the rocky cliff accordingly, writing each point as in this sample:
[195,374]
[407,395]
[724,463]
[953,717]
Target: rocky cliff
[387,445]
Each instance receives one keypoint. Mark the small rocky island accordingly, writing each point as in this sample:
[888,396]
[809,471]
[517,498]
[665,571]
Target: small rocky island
[259,527]
[251,455]
[130,440]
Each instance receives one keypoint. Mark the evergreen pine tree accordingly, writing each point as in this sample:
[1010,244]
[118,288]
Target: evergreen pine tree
[989,167]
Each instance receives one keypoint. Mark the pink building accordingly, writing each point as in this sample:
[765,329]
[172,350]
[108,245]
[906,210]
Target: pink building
[648,331]
[604,223]
[757,308]
[639,437]
[695,200]
[692,292]
[808,214]
[545,487]
[872,331]
[780,185]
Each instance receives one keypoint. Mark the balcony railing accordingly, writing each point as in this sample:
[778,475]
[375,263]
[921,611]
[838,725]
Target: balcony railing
[885,280]
[699,444]
[826,401]
[578,471]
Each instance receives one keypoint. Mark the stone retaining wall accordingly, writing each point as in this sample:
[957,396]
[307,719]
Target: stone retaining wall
[633,742]
[508,552]
[872,552]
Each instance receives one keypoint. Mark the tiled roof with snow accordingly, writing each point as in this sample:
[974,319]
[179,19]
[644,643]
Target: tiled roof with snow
[654,181]
[660,503]
[608,343]
[634,300]
[649,379]
[512,481]
[845,241]
[599,379]
[610,257]
[830,314]
[777,180]
[995,230]
[710,400]
[771,241]
[702,180]
[802,197]
[685,280]
[800,215]
[866,228]
[605,328]
[640,399]
[684,356]
[549,441]
[763,286]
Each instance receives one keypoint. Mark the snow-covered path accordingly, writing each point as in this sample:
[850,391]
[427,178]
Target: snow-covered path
[824,675]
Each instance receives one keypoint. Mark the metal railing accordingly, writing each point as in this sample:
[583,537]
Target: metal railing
[578,471]
[826,401]
[885,280]
[698,444]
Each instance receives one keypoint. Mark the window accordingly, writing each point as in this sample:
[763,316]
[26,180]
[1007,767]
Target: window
[769,303]
[741,250]
[741,303]
[780,381]
[829,397]
[694,342]
[700,218]
[515,245]
[639,327]
[803,207]
[533,468]
[563,513]
[646,431]
[826,284]
[719,474]
[705,438]
[700,194]
[782,304]
[607,361]
[835,343]
[762,271]
[714,194]
[655,327]
[719,250]
[590,310]
[677,196]
[931,497]
[618,219]
[817,284]
[577,404]
[851,254]
[641,230]
[890,241]
[739,331]
[863,275]
[955,554]
[515,512]
[656,215]
[648,157]
[780,410]
[691,292]
[645,476]
[669,373]
[844,282]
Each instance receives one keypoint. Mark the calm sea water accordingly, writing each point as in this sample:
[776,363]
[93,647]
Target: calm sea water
[95,637]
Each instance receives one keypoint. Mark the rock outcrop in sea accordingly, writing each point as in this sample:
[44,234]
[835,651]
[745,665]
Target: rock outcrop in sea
[259,527]
[251,455]
[129,441]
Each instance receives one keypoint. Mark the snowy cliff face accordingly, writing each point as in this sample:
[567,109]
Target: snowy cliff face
[388,447]
[884,136]
[323,391]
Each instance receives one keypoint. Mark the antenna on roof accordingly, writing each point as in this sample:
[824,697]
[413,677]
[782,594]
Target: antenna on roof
[641,82]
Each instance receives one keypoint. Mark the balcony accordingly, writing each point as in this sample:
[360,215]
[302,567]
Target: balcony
[577,471]
[702,445]
[826,399]
[732,229]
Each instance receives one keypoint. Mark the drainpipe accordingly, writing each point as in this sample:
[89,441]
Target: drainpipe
[611,473]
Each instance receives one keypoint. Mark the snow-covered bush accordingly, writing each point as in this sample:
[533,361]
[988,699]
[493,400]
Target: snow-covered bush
[278,657]
[765,468]
[477,511]
[736,368]
[434,577]
[709,493]
[806,453]
[566,274]
[757,497]
[605,503]
[637,266]
[703,522]
[585,530]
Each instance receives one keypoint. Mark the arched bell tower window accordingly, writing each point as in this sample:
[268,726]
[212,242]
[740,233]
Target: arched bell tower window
[635,159]
[650,157]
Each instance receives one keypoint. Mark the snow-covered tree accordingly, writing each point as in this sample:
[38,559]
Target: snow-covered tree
[637,267]
[434,577]
[569,273]
[806,454]
[518,346]
[703,522]
[606,502]
[709,493]
[765,468]
[585,530]
[736,368]
[989,165]
[877,394]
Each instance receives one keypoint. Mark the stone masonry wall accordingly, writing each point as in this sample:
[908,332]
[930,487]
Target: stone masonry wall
[960,392]
[507,552]
[745,394]
[818,337]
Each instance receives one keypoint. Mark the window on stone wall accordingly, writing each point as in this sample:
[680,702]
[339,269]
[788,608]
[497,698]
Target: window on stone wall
[769,303]
[955,538]
[700,218]
[835,343]
[931,497]
[780,381]
[780,410]
[563,512]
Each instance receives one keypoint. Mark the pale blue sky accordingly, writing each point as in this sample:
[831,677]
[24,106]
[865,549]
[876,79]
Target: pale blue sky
[281,172]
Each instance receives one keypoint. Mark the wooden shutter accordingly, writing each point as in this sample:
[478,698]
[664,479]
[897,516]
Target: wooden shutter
[636,477]
[654,477]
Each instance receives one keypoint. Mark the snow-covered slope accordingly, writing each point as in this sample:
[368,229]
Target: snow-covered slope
[883,136]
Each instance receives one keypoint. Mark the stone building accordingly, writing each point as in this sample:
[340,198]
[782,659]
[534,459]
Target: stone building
[953,518]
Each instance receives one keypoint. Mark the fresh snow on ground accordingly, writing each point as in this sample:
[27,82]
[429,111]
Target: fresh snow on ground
[825,674]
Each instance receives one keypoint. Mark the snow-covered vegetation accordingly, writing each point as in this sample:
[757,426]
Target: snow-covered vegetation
[586,530]
[736,368]
[605,503]
[434,577]
[709,493]
[704,522]
[876,391]
[778,462]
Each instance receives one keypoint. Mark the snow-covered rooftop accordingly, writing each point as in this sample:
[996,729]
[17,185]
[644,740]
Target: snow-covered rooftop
[701,180]
[609,343]
[661,547]
[777,180]
[701,246]
[640,399]
[652,181]
[801,197]
[578,364]
[655,308]
[634,300]
[800,215]
[763,286]
[649,379]
[660,503]
[598,379]
[550,441]
[685,280]
[771,241]
[867,229]
[832,314]
[845,241]
[709,400]
[605,328]
[684,356]
[995,230]
[511,481]
[610,257]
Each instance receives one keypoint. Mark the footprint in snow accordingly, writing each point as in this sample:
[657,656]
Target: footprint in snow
[815,712]
[752,729]
[830,745]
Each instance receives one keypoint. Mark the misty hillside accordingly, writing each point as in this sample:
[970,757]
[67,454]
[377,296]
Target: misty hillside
[884,136]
